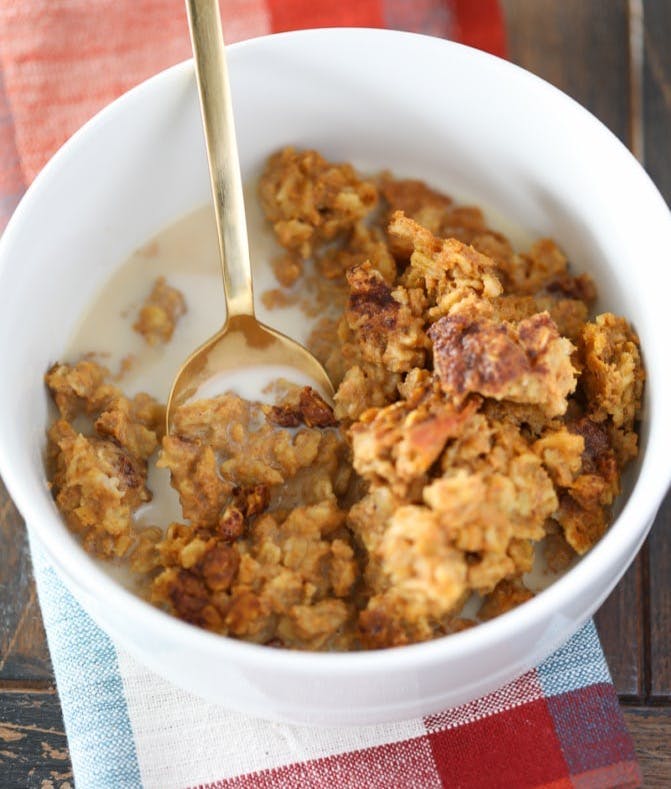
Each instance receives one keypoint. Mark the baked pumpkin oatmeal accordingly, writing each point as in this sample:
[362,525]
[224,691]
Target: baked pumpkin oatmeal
[481,423]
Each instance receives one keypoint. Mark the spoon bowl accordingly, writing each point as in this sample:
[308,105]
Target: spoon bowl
[243,342]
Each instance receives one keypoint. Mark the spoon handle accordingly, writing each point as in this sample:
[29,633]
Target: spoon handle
[222,154]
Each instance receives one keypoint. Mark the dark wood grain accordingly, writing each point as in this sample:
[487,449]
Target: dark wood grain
[651,731]
[620,623]
[657,93]
[580,46]
[33,747]
[23,652]
[660,606]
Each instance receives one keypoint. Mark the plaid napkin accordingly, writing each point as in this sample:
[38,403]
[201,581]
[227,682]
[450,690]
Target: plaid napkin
[557,726]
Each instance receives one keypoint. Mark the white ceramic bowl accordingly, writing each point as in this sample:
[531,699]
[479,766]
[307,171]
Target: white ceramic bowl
[465,121]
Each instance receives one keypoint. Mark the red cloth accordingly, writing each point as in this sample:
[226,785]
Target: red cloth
[507,740]
[63,60]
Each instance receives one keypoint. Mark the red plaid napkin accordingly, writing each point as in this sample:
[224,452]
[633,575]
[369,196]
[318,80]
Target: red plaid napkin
[557,726]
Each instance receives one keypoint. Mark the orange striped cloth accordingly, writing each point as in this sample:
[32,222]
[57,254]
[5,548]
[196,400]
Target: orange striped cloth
[63,60]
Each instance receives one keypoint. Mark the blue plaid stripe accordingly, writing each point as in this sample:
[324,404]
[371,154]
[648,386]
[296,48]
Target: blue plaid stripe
[95,713]
[579,663]
[590,729]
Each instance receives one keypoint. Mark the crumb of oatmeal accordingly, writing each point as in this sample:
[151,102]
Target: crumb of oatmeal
[128,363]
[160,312]
[287,269]
[275,298]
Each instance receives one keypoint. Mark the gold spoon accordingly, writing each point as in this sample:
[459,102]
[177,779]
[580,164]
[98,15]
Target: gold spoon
[243,341]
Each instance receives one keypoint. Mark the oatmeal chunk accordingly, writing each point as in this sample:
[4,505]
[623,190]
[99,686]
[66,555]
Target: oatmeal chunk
[83,390]
[585,499]
[288,269]
[315,411]
[79,388]
[364,386]
[583,526]
[440,215]
[446,269]
[99,468]
[309,200]
[530,272]
[578,287]
[561,453]
[388,329]
[121,423]
[398,444]
[507,507]
[425,568]
[418,202]
[225,443]
[96,485]
[309,409]
[477,484]
[197,578]
[160,312]
[363,245]
[613,375]
[266,555]
[525,363]
[569,315]
[194,474]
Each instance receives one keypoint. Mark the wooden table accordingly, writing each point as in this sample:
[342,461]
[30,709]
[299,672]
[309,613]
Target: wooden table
[614,57]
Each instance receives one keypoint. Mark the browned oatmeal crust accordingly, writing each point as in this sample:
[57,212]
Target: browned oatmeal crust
[524,363]
[309,408]
[481,417]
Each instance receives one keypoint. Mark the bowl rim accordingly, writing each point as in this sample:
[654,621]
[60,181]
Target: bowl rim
[625,533]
